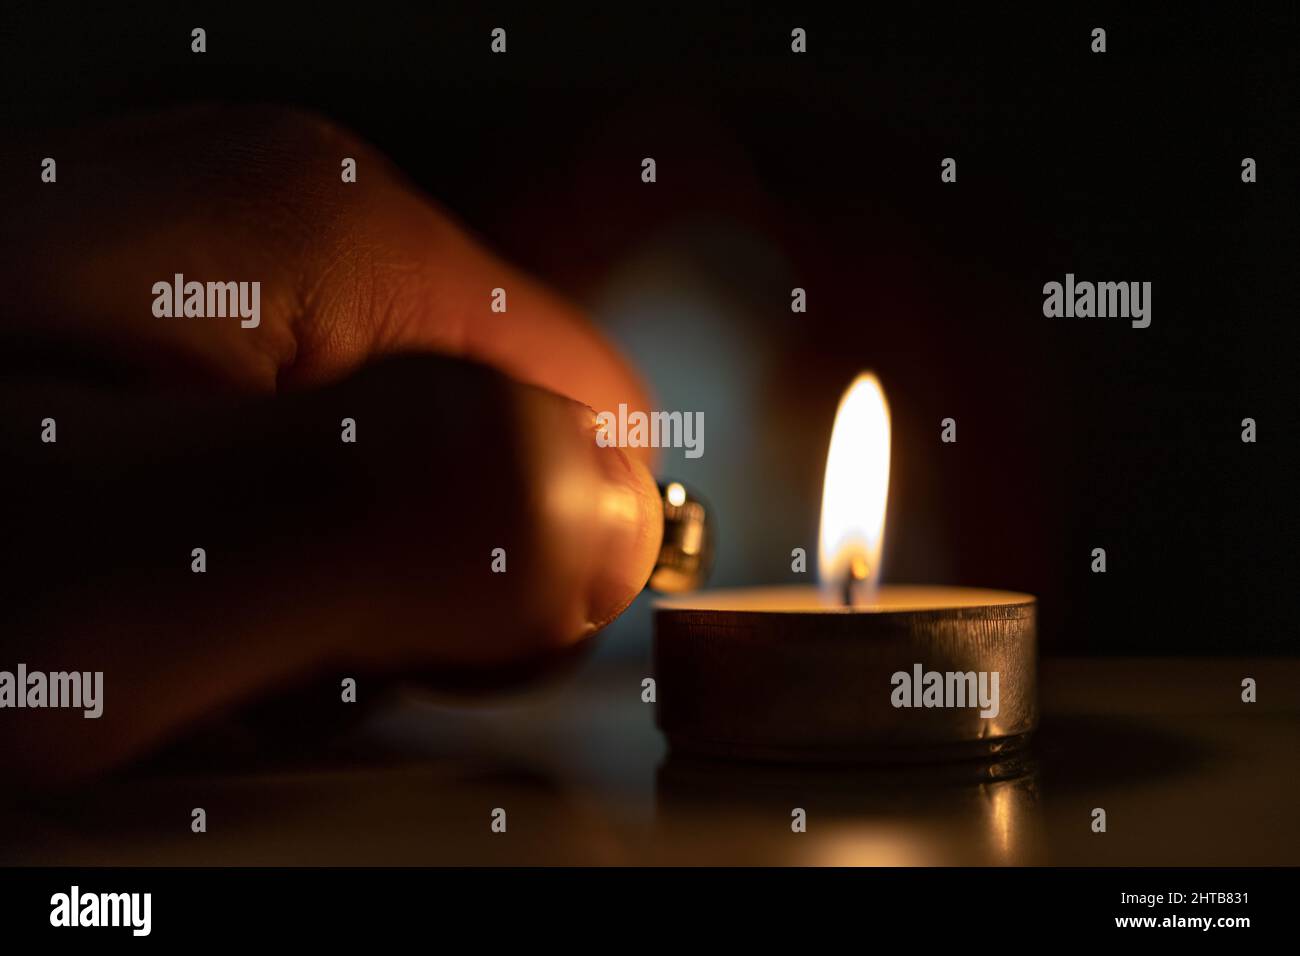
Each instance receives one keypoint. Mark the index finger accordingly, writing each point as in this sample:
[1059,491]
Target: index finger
[348,271]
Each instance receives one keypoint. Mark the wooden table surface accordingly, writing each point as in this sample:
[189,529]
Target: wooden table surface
[1187,774]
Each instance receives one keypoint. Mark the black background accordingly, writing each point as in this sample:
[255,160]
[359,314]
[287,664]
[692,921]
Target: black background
[1123,166]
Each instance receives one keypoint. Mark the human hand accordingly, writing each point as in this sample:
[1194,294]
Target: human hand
[322,557]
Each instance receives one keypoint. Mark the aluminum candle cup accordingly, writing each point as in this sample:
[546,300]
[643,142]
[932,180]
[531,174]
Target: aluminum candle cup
[851,671]
[781,674]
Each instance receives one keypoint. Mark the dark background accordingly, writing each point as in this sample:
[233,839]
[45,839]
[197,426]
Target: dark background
[822,171]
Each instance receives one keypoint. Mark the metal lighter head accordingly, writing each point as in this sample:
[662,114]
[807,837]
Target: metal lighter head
[686,555]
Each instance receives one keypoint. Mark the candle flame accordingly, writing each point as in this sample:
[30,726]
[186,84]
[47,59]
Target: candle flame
[855,493]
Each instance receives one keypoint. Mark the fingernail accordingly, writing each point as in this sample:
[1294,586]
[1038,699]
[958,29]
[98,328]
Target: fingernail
[629,514]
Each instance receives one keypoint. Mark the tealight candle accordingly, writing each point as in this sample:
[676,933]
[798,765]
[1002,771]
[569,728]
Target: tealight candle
[851,670]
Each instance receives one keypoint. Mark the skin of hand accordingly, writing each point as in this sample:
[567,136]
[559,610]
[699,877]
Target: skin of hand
[475,431]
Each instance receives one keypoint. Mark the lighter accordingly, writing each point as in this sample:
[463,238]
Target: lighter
[686,555]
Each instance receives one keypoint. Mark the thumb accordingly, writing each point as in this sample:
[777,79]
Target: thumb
[473,526]
[489,525]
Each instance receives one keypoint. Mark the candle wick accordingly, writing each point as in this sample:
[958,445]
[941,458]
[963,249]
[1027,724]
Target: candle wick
[857,573]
